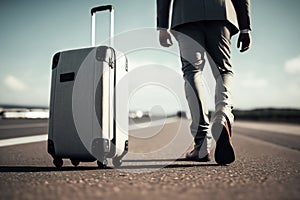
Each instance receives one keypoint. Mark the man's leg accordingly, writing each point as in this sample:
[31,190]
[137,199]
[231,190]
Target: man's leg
[218,48]
[191,41]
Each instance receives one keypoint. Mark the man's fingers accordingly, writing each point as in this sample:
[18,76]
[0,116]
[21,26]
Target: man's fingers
[165,42]
[244,49]
[245,40]
[245,45]
[168,41]
[165,39]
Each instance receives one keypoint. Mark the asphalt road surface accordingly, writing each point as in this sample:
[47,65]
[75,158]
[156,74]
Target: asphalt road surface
[267,166]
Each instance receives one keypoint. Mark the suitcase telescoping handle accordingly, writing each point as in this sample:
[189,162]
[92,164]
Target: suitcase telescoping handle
[94,10]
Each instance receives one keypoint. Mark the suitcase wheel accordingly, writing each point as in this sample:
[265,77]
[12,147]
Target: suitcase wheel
[75,162]
[102,165]
[117,162]
[58,162]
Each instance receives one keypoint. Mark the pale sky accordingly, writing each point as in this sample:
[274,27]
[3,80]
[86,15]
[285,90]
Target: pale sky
[32,31]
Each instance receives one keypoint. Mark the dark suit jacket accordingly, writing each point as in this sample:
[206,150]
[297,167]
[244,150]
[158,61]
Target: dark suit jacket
[237,12]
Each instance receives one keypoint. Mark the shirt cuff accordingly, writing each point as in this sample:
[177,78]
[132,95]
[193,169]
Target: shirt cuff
[245,31]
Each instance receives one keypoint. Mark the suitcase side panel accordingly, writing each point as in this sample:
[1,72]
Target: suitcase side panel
[51,149]
[121,105]
[103,76]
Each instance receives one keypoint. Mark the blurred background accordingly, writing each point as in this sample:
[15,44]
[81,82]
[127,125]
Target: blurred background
[267,77]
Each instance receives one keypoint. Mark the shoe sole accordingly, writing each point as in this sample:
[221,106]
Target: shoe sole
[224,152]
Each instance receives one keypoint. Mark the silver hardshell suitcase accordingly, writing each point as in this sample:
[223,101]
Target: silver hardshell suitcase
[83,112]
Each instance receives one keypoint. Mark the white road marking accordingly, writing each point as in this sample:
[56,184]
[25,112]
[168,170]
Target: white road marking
[23,140]
[290,129]
[41,138]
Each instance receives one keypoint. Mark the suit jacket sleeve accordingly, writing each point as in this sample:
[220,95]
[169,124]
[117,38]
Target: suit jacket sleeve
[163,12]
[242,9]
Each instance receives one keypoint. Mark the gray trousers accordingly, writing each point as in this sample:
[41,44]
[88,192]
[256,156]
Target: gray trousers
[213,39]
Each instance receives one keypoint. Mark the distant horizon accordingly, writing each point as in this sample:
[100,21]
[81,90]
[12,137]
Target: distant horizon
[8,105]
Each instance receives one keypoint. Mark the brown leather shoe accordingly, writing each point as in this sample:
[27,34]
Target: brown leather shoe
[224,153]
[194,156]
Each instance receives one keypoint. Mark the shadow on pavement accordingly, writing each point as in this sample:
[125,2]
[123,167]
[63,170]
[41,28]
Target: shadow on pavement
[164,163]
[86,168]
[157,166]
[138,164]
[45,169]
[157,160]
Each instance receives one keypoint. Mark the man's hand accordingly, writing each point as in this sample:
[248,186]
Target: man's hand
[165,39]
[245,39]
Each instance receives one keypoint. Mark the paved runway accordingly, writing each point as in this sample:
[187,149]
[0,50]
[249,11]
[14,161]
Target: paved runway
[267,166]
